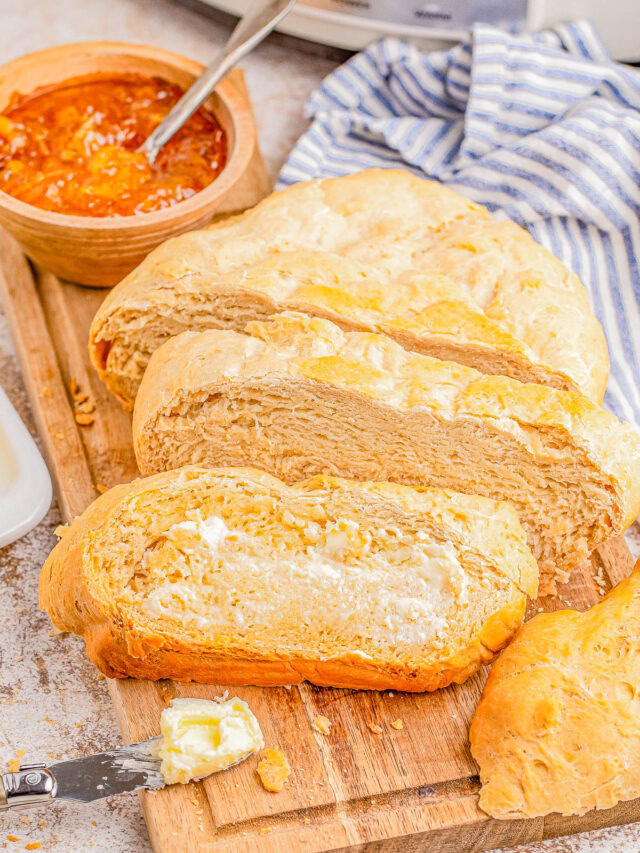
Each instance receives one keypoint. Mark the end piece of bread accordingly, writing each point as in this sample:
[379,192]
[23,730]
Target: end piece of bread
[558,725]
[381,251]
[232,577]
[298,396]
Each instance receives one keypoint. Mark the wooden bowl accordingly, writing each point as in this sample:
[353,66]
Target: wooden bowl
[100,251]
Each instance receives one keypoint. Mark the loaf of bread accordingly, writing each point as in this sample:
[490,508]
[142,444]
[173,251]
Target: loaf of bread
[382,251]
[558,725]
[298,396]
[230,576]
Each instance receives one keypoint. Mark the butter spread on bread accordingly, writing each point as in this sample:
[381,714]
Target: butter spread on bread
[381,250]
[298,396]
[201,736]
[558,725]
[232,577]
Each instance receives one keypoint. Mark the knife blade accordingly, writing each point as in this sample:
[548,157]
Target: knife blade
[127,768]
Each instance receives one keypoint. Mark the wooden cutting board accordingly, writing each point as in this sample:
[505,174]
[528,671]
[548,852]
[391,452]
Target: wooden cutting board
[352,790]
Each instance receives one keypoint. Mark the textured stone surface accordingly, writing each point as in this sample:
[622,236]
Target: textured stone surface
[52,703]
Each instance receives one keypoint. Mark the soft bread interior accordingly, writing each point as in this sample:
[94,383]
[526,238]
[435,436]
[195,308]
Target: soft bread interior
[301,397]
[381,251]
[236,564]
[303,575]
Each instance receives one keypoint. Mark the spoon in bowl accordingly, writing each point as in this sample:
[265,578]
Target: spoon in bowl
[250,31]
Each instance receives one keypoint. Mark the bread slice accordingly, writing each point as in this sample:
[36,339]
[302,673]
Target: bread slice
[230,576]
[299,396]
[558,725]
[382,251]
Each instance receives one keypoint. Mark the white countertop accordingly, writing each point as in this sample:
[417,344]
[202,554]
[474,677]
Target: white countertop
[52,704]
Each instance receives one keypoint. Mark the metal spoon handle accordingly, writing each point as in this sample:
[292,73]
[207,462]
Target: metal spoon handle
[250,31]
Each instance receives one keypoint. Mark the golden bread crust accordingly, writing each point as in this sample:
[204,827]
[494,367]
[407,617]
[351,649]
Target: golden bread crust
[558,725]
[75,588]
[382,251]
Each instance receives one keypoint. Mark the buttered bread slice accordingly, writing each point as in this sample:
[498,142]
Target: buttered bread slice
[230,576]
[298,396]
[381,251]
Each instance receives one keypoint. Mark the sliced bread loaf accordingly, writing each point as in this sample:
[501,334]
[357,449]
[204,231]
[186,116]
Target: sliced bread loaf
[298,396]
[381,250]
[230,576]
[558,725]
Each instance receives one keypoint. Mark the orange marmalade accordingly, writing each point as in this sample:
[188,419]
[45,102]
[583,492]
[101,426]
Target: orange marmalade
[72,148]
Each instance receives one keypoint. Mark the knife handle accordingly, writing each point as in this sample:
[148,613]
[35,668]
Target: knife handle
[30,785]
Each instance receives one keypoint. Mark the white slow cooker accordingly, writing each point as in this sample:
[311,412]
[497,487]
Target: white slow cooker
[352,24]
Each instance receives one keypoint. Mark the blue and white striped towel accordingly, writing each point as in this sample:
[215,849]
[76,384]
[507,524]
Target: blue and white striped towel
[542,129]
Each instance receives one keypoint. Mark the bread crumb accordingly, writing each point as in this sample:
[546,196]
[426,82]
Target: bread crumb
[79,725]
[101,677]
[323,724]
[25,820]
[46,391]
[375,728]
[94,822]
[80,397]
[397,724]
[20,753]
[100,487]
[51,722]
[273,770]
[84,419]
[307,820]
[12,838]
[73,385]
[58,435]
[14,765]
[32,845]
[265,830]
[86,408]
[42,823]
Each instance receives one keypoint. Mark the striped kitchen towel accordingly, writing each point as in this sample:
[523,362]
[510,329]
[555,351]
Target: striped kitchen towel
[542,129]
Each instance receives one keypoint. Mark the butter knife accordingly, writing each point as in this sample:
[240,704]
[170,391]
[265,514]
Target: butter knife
[93,777]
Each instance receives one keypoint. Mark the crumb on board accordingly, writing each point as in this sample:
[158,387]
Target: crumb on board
[20,753]
[14,765]
[273,770]
[46,391]
[322,724]
[265,830]
[101,677]
[397,724]
[375,728]
[307,820]
[12,838]
[84,419]
[58,435]
[100,487]
[32,845]
[82,403]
